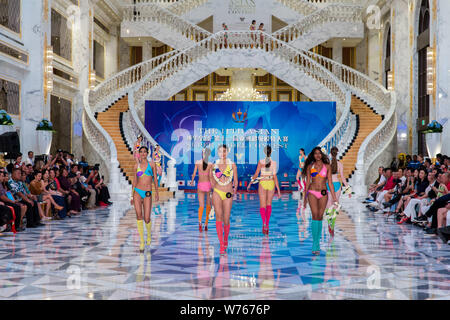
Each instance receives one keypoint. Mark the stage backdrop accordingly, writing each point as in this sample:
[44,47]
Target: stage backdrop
[183,128]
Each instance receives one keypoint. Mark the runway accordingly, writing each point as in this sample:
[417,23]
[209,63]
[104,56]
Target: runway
[95,256]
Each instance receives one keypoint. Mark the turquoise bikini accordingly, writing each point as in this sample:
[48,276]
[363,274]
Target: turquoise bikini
[149,173]
[336,185]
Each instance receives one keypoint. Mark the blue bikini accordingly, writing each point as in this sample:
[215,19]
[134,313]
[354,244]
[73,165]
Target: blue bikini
[149,173]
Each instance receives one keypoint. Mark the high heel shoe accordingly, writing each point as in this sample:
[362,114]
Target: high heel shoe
[200,227]
[404,219]
[222,250]
[206,227]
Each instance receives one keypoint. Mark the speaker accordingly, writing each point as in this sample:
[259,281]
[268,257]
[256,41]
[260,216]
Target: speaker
[10,143]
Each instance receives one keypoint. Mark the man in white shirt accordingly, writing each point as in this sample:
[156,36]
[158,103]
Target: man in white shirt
[30,158]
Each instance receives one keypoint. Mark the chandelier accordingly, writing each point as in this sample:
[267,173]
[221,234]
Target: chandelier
[241,94]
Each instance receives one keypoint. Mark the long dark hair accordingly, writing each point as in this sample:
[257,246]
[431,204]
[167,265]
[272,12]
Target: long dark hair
[334,164]
[310,159]
[268,152]
[207,153]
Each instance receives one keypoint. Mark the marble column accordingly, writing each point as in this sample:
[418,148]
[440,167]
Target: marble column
[35,26]
[443,72]
[337,50]
[83,35]
[147,53]
[401,65]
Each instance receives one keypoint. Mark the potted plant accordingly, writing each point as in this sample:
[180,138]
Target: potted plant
[433,138]
[44,136]
[5,119]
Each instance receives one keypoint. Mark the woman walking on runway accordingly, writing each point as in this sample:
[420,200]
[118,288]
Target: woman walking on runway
[141,196]
[204,187]
[317,173]
[266,190]
[299,178]
[225,179]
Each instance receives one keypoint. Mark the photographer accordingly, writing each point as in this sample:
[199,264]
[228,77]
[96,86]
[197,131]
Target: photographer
[59,160]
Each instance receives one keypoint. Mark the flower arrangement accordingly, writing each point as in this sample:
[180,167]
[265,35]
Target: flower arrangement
[5,119]
[433,127]
[45,125]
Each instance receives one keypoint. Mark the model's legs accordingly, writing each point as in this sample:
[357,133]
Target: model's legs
[201,206]
[147,218]
[138,201]
[227,204]
[208,209]
[217,202]
[317,209]
[262,206]
[269,198]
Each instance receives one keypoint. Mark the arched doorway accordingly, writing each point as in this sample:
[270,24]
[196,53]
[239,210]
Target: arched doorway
[423,42]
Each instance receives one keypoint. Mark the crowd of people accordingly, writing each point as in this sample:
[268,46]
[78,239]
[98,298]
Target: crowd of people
[415,191]
[37,189]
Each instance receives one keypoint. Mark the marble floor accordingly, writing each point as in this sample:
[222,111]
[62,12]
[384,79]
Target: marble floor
[95,256]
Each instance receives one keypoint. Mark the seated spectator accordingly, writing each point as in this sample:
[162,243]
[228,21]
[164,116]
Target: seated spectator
[387,188]
[8,199]
[377,185]
[18,191]
[18,162]
[52,185]
[72,197]
[423,200]
[102,190]
[420,185]
[37,188]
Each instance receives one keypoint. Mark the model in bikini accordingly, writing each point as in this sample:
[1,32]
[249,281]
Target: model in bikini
[301,164]
[204,187]
[317,173]
[225,182]
[141,196]
[337,175]
[266,190]
[137,146]
[157,161]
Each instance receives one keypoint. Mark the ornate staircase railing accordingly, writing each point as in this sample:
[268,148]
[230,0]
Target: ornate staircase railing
[328,14]
[155,13]
[109,90]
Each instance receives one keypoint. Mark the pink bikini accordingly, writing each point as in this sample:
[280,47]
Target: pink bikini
[204,186]
[323,173]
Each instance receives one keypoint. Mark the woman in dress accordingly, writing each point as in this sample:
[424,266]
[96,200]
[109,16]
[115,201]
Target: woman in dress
[37,188]
[51,185]
[225,182]
[261,36]
[204,187]
[266,190]
[141,196]
[317,171]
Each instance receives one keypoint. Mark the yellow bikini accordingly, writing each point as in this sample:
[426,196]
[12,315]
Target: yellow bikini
[267,183]
[228,173]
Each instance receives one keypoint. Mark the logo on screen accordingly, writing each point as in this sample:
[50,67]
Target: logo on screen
[239,116]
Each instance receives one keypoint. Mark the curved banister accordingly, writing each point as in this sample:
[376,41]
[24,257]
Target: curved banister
[137,125]
[116,85]
[303,7]
[154,12]
[102,142]
[331,13]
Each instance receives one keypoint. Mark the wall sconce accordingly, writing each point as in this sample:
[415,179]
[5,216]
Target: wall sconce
[431,60]
[390,81]
[48,75]
[92,79]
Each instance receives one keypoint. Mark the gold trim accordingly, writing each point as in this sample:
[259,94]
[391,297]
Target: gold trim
[18,49]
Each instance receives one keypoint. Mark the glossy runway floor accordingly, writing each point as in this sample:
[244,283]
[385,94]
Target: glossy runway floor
[95,256]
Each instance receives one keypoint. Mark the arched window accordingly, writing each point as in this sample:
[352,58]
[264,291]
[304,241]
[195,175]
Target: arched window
[423,42]
[387,59]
